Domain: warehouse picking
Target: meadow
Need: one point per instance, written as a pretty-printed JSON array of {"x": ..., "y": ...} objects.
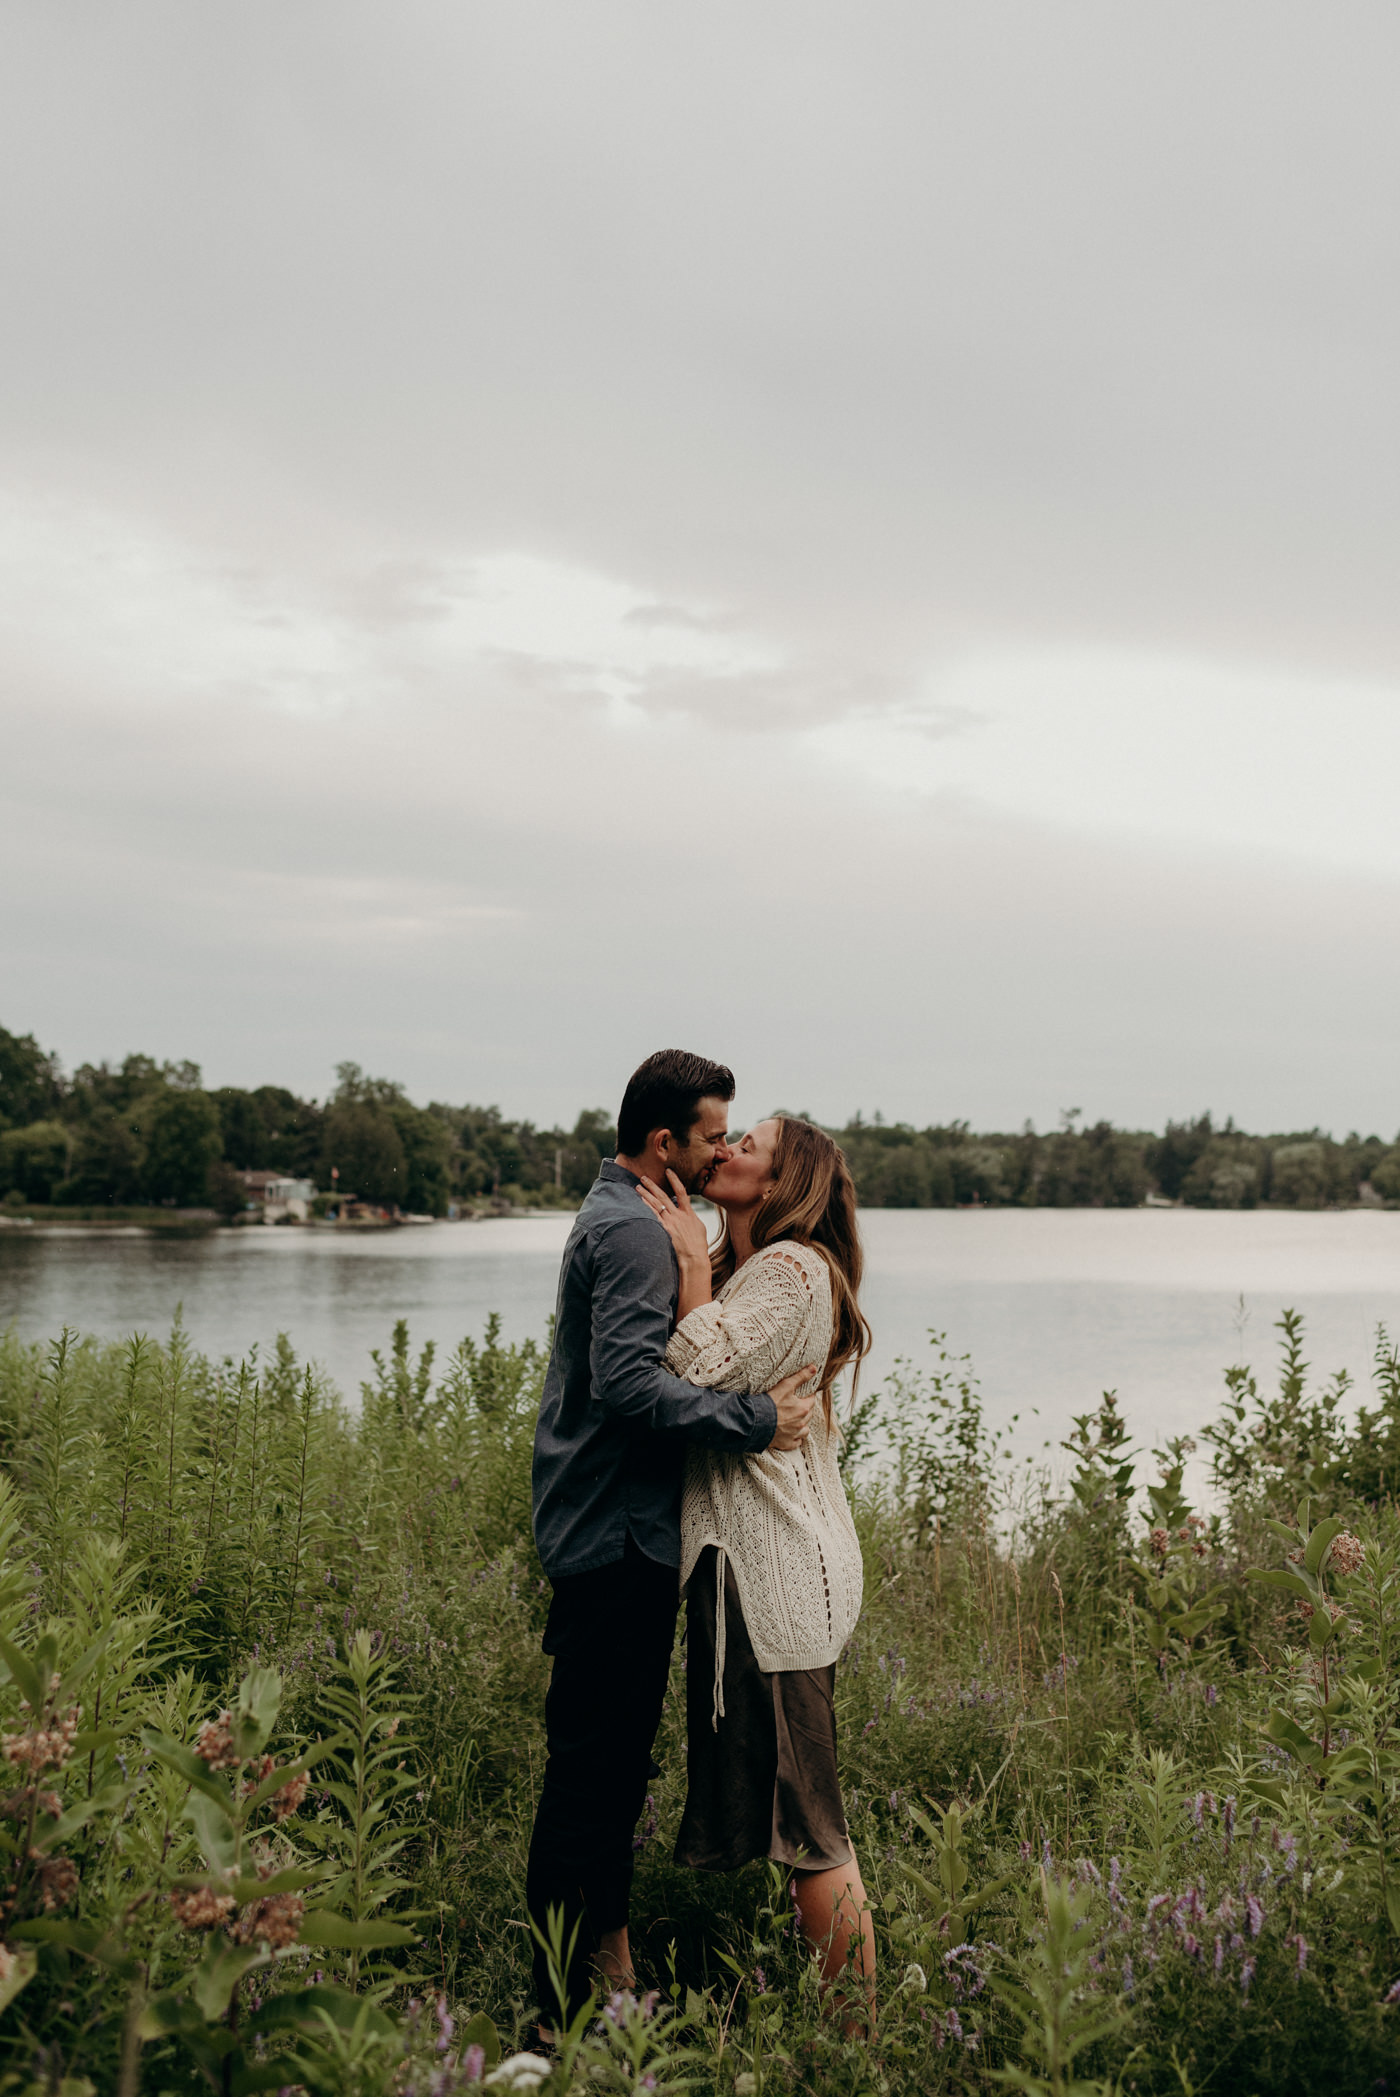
[{"x": 1121, "y": 1770}]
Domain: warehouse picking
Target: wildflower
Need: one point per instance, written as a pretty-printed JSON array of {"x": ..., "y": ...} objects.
[
  {"x": 274, "y": 1921},
  {"x": 1191, "y": 1945},
  {"x": 446, "y": 2025},
  {"x": 1159, "y": 1540},
  {"x": 1254, "y": 1907},
  {"x": 1305, "y": 1610},
  {"x": 1392, "y": 1993},
  {"x": 915, "y": 1978},
  {"x": 1246, "y": 1976},
  {"x": 1346, "y": 1553},
  {"x": 522, "y": 2072},
  {"x": 1025, "y": 1853},
  {"x": 1219, "y": 1953},
  {"x": 1295, "y": 1557},
  {"x": 760, "y": 1980},
  {"x": 203, "y": 1909},
  {"x": 215, "y": 1743},
  {"x": 42, "y": 1747},
  {"x": 286, "y": 1801},
  {"x": 474, "y": 2063},
  {"x": 1300, "y": 1943},
  {"x": 17, "y": 1805},
  {"x": 263, "y": 1767},
  {"x": 745, "y": 2084},
  {"x": 1198, "y": 1806},
  {"x": 1212, "y": 1695},
  {"x": 58, "y": 1879},
  {"x": 1128, "y": 1978}
]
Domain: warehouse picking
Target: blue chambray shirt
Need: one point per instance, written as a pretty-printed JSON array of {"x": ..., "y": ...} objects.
[{"x": 613, "y": 1426}]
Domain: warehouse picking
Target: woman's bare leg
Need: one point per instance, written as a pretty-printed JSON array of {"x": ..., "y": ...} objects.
[{"x": 835, "y": 1919}]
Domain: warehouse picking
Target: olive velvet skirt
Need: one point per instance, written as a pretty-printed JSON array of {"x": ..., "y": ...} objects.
[{"x": 764, "y": 1783}]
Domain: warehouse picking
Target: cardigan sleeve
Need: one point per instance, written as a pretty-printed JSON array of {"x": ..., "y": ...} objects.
[{"x": 738, "y": 1342}]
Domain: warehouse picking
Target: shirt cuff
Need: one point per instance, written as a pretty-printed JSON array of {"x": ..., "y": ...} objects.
[{"x": 766, "y": 1423}]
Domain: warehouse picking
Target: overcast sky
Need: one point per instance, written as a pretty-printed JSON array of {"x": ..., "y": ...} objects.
[{"x": 860, "y": 539}]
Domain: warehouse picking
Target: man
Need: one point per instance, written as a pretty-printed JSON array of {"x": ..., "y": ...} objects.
[{"x": 608, "y": 1470}]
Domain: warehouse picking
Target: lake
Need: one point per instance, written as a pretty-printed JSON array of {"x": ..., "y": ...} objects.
[{"x": 1054, "y": 1305}]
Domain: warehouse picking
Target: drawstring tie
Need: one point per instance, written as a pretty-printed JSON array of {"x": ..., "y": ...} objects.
[{"x": 718, "y": 1712}]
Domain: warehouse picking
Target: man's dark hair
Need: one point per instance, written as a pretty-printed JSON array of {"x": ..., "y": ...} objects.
[{"x": 665, "y": 1093}]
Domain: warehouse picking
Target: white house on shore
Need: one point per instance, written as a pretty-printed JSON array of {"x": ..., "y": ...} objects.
[{"x": 281, "y": 1200}]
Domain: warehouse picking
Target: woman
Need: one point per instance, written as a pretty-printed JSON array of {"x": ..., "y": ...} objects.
[{"x": 769, "y": 1554}]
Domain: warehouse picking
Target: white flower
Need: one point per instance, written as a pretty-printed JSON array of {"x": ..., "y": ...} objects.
[
  {"x": 523, "y": 2071},
  {"x": 915, "y": 1978}
]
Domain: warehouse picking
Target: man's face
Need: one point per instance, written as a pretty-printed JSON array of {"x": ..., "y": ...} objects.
[{"x": 693, "y": 1161}]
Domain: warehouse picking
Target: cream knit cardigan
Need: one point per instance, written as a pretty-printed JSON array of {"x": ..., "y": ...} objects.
[{"x": 781, "y": 1519}]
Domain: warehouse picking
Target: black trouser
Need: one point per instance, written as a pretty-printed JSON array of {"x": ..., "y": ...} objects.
[{"x": 611, "y": 1632}]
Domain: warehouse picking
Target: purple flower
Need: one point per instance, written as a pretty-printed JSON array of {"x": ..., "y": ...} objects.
[
  {"x": 1254, "y": 1907},
  {"x": 1219, "y": 1953},
  {"x": 1246, "y": 1976},
  {"x": 474, "y": 2063},
  {"x": 760, "y": 1980},
  {"x": 1301, "y": 1943},
  {"x": 1190, "y": 1945},
  {"x": 1392, "y": 1993},
  {"x": 1228, "y": 1817},
  {"x": 1212, "y": 1694}
]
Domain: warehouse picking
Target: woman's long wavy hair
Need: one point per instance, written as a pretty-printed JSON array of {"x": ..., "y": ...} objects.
[{"x": 813, "y": 1200}]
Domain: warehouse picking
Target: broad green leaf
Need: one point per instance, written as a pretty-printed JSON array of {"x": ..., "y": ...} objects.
[
  {"x": 1283, "y": 1532},
  {"x": 1319, "y": 1541},
  {"x": 32, "y": 1686},
  {"x": 1289, "y": 1734},
  {"x": 219, "y": 1972},
  {"x": 305, "y": 2009},
  {"x": 214, "y": 1828},
  {"x": 191, "y": 1767},
  {"x": 339, "y": 1933},
  {"x": 480, "y": 2031},
  {"x": 22, "y": 1971},
  {"x": 1292, "y": 1583},
  {"x": 1392, "y": 1907}
]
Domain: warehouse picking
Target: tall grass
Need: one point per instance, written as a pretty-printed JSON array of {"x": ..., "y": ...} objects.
[{"x": 1121, "y": 1771}]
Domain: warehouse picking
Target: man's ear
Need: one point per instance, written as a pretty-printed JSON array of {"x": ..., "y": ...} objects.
[{"x": 664, "y": 1141}]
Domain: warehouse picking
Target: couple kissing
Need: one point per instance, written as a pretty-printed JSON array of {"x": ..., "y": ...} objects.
[{"x": 687, "y": 1445}]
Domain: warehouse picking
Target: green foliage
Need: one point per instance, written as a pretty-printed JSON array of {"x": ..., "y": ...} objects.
[{"x": 1109, "y": 1844}]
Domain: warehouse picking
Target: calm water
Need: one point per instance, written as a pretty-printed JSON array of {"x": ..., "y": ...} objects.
[{"x": 1054, "y": 1306}]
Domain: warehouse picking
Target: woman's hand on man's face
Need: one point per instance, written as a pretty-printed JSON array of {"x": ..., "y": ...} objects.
[{"x": 682, "y": 1226}]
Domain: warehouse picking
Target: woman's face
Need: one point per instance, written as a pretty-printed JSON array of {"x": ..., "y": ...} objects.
[{"x": 745, "y": 1176}]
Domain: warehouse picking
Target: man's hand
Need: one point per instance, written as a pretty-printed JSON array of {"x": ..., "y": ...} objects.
[{"x": 794, "y": 1413}]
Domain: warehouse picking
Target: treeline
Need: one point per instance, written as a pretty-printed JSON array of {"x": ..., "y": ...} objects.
[
  {"x": 1196, "y": 1162},
  {"x": 151, "y": 1133}
]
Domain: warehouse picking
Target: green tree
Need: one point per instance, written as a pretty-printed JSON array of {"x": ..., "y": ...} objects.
[
  {"x": 182, "y": 1144},
  {"x": 427, "y": 1151},
  {"x": 1385, "y": 1175},
  {"x": 363, "y": 1144},
  {"x": 30, "y": 1090},
  {"x": 1301, "y": 1174},
  {"x": 34, "y": 1160}
]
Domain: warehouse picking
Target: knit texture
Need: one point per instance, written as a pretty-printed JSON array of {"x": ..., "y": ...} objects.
[{"x": 782, "y": 1519}]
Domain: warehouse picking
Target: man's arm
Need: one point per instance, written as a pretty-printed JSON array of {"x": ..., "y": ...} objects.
[{"x": 632, "y": 1290}]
